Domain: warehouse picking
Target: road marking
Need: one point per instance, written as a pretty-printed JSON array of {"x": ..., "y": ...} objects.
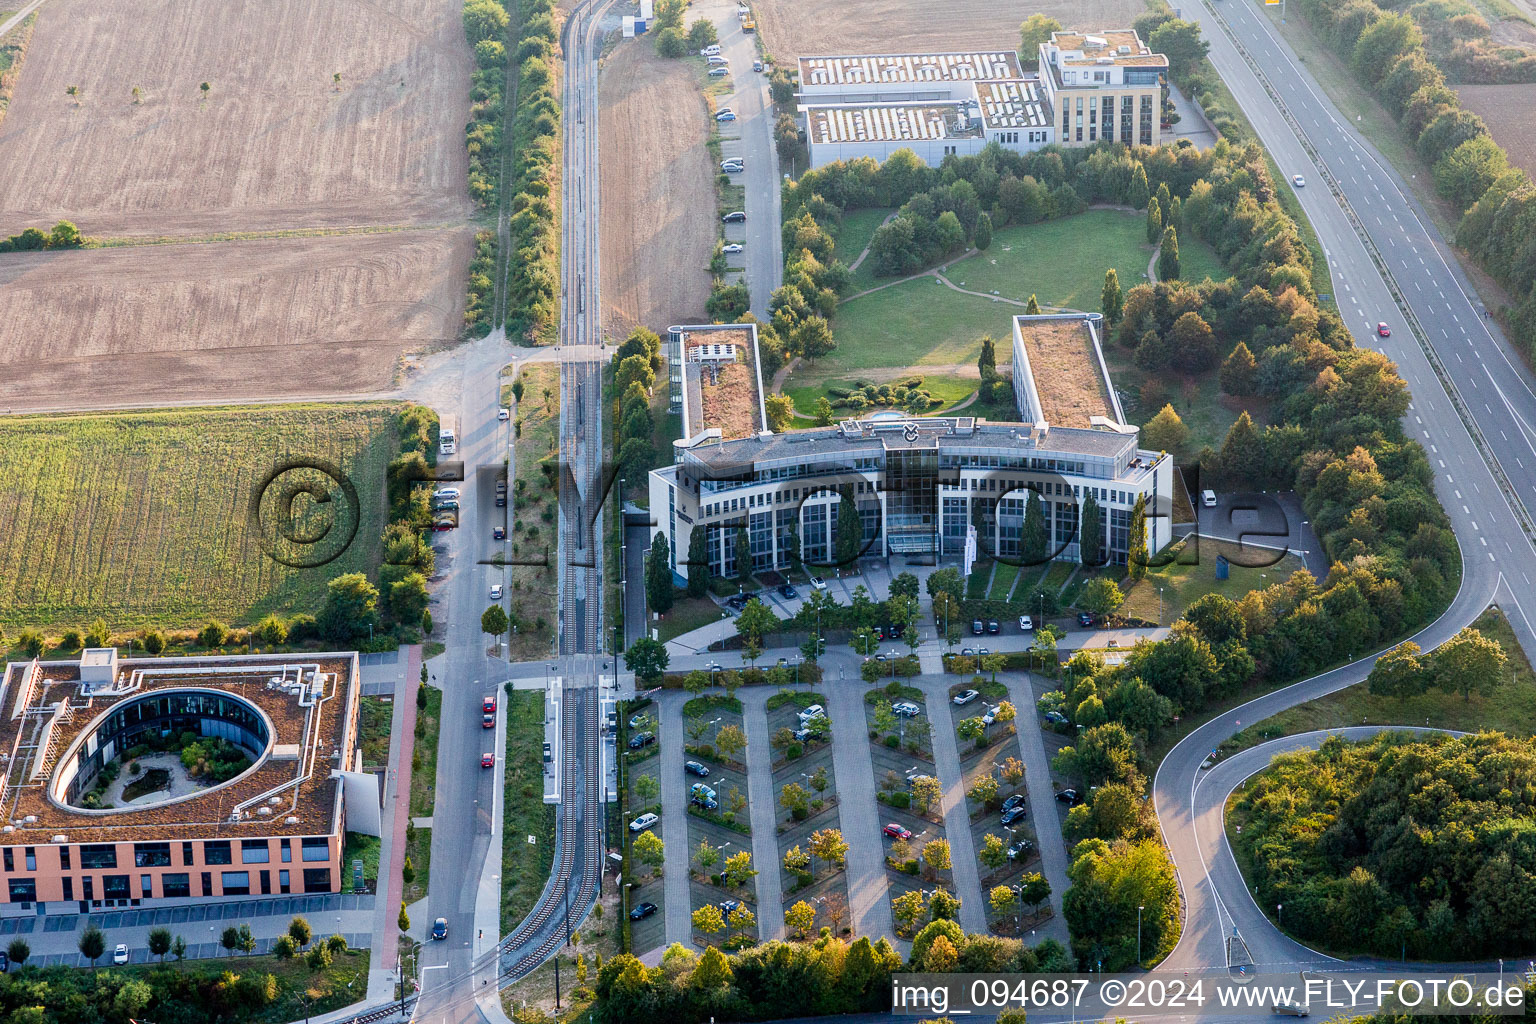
[
  {"x": 1458, "y": 495},
  {"x": 1465, "y": 510},
  {"x": 1442, "y": 463},
  {"x": 1476, "y": 527}
]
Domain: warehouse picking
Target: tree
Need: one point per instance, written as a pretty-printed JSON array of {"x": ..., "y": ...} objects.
[
  {"x": 781, "y": 412},
  {"x": 408, "y": 598},
  {"x": 230, "y": 939},
  {"x": 707, "y": 855},
  {"x": 908, "y": 909},
  {"x": 1168, "y": 255},
  {"x": 1466, "y": 172},
  {"x": 1033, "y": 307},
  {"x": 650, "y": 849},
  {"x": 701, "y": 34},
  {"x": 1033, "y": 31},
  {"x": 993, "y": 853},
  {"x": 484, "y": 19},
  {"x": 936, "y": 856},
  {"x": 204, "y": 87},
  {"x": 214, "y": 634},
  {"x": 97, "y": 634},
  {"x": 1154, "y": 221},
  {"x": 698, "y": 562},
  {"x": 709, "y": 920},
  {"x": 801, "y": 917},
  {"x": 73, "y": 91},
  {"x": 848, "y": 536},
  {"x": 972, "y": 730},
  {"x": 730, "y": 741},
  {"x": 92, "y": 944},
  {"x": 658, "y": 574},
  {"x": 795, "y": 800},
  {"x": 743, "y": 544},
  {"x": 1100, "y": 596},
  {"x": 1035, "y": 889},
  {"x": 1111, "y": 301},
  {"x": 494, "y": 622},
  {"x": 1194, "y": 343},
  {"x": 318, "y": 959},
  {"x": 1165, "y": 431},
  {"x": 350, "y": 608},
  {"x": 647, "y": 659},
  {"x": 737, "y": 870},
  {"x": 1002, "y": 898},
  {"x": 823, "y": 412},
  {"x": 1091, "y": 532},
  {"x": 925, "y": 791},
  {"x": 943, "y": 906},
  {"x": 1140, "y": 193},
  {"x": 796, "y": 859},
  {"x": 647, "y": 788},
  {"x": 812, "y": 338},
  {"x": 159, "y": 943},
  {"x": 284, "y": 948},
  {"x": 179, "y": 948},
  {"x": 1399, "y": 672},
  {"x": 982, "y": 239},
  {"x": 986, "y": 363},
  {"x": 300, "y": 931},
  {"x": 1239, "y": 371},
  {"x": 756, "y": 621},
  {"x": 1469, "y": 662},
  {"x": 18, "y": 951},
  {"x": 1137, "y": 554},
  {"x": 408, "y": 871},
  {"x": 829, "y": 845}
]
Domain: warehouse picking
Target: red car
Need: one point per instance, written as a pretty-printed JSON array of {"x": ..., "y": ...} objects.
[
  {"x": 1384, "y": 330},
  {"x": 487, "y": 760},
  {"x": 488, "y": 705},
  {"x": 895, "y": 831}
]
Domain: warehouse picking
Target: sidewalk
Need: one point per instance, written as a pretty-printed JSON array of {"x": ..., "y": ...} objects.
[{"x": 394, "y": 818}]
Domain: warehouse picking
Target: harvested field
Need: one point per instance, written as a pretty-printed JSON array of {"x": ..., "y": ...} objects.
[
  {"x": 1510, "y": 111},
  {"x": 275, "y": 143},
  {"x": 143, "y": 518},
  {"x": 1066, "y": 373},
  {"x": 796, "y": 28},
  {"x": 224, "y": 321},
  {"x": 657, "y": 191}
]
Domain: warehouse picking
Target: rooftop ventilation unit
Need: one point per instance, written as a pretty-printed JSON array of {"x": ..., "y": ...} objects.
[
  {"x": 264, "y": 812},
  {"x": 61, "y": 838},
  {"x": 30, "y": 819},
  {"x": 290, "y": 820}
]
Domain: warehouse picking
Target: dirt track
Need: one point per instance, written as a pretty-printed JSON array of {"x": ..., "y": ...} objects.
[
  {"x": 224, "y": 321},
  {"x": 657, "y": 191},
  {"x": 797, "y": 28}
]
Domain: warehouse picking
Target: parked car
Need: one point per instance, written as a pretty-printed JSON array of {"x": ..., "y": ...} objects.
[
  {"x": 1026, "y": 623},
  {"x": 1017, "y": 800},
  {"x": 445, "y": 493},
  {"x": 1298, "y": 181},
  {"x": 977, "y": 628},
  {"x": 695, "y": 768},
  {"x": 488, "y": 720},
  {"x": 710, "y": 50},
  {"x": 488, "y": 705},
  {"x": 726, "y": 115},
  {"x": 641, "y": 911},
  {"x": 120, "y": 954},
  {"x": 487, "y": 760},
  {"x": 1208, "y": 498},
  {"x": 440, "y": 928},
  {"x": 716, "y": 60},
  {"x": 1084, "y": 619},
  {"x": 1069, "y": 797},
  {"x": 982, "y": 652},
  {"x": 989, "y": 716},
  {"x": 645, "y": 821},
  {"x": 501, "y": 494},
  {"x": 812, "y": 712},
  {"x": 702, "y": 796},
  {"x": 993, "y": 627},
  {"x": 964, "y": 697},
  {"x": 1056, "y": 718},
  {"x": 641, "y": 739},
  {"x": 757, "y": 65},
  {"x": 817, "y": 583},
  {"x": 1019, "y": 848},
  {"x": 1290, "y": 1009},
  {"x": 638, "y": 719},
  {"x": 967, "y": 652},
  {"x": 804, "y": 734},
  {"x": 549, "y": 754},
  {"x": 1014, "y": 814},
  {"x": 496, "y": 591},
  {"x": 1383, "y": 330},
  {"x": 442, "y": 524},
  {"x": 736, "y": 216},
  {"x": 502, "y": 415},
  {"x": 906, "y": 709},
  {"x": 444, "y": 505},
  {"x": 734, "y": 247},
  {"x": 732, "y": 164},
  {"x": 498, "y": 533},
  {"x": 727, "y": 907},
  {"x": 719, "y": 72},
  {"x": 788, "y": 591},
  {"x": 895, "y": 831}
]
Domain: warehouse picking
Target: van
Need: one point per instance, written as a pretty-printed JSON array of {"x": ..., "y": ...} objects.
[
  {"x": 715, "y": 60},
  {"x": 711, "y": 50},
  {"x": 1208, "y": 498}
]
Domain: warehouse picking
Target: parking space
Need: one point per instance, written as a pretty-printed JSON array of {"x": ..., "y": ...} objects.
[
  {"x": 806, "y": 802},
  {"x": 643, "y": 793},
  {"x": 712, "y": 767},
  {"x": 901, "y": 732}
]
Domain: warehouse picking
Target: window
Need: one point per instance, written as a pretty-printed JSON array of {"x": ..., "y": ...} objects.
[
  {"x": 175, "y": 885},
  {"x": 152, "y": 855},
  {"x": 317, "y": 848},
  {"x": 286, "y": 846},
  {"x": 10, "y": 859},
  {"x": 31, "y": 858},
  {"x": 115, "y": 887},
  {"x": 236, "y": 883},
  {"x": 282, "y": 881},
  {"x": 207, "y": 883},
  {"x": 317, "y": 879},
  {"x": 216, "y": 851},
  {"x": 23, "y": 890},
  {"x": 64, "y": 857},
  {"x": 266, "y": 883},
  {"x": 89, "y": 887},
  {"x": 69, "y": 888},
  {"x": 147, "y": 885},
  {"x": 254, "y": 851},
  {"x": 103, "y": 855},
  {"x": 186, "y": 855}
]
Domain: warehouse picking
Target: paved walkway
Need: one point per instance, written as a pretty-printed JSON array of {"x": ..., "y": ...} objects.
[
  {"x": 869, "y": 904},
  {"x": 957, "y": 819},
  {"x": 395, "y": 816},
  {"x": 667, "y": 765},
  {"x": 1042, "y": 799},
  {"x": 765, "y": 844}
]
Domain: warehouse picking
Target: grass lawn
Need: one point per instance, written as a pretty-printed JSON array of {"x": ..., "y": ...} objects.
[
  {"x": 300, "y": 991},
  {"x": 1185, "y": 584},
  {"x": 534, "y": 501},
  {"x": 373, "y": 719},
  {"x": 946, "y": 387},
  {"x": 424, "y": 757},
  {"x": 853, "y": 237},
  {"x": 364, "y": 847},
  {"x": 1511, "y": 709},
  {"x": 524, "y": 868},
  {"x": 687, "y": 614},
  {"x": 1197, "y": 261},
  {"x": 144, "y": 518},
  {"x": 1198, "y": 400},
  {"x": 1003, "y": 579},
  {"x": 918, "y": 323},
  {"x": 1061, "y": 262}
]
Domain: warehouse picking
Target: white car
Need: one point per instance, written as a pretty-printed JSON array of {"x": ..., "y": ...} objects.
[
  {"x": 503, "y": 415},
  {"x": 813, "y": 712},
  {"x": 496, "y": 592},
  {"x": 1208, "y": 498},
  {"x": 906, "y": 709},
  {"x": 714, "y": 60},
  {"x": 1298, "y": 181},
  {"x": 817, "y": 583},
  {"x": 643, "y": 822},
  {"x": 964, "y": 697},
  {"x": 120, "y": 954},
  {"x": 990, "y": 716},
  {"x": 1026, "y": 623},
  {"x": 711, "y": 50},
  {"x": 446, "y": 493},
  {"x": 733, "y": 165},
  {"x": 733, "y": 247}
]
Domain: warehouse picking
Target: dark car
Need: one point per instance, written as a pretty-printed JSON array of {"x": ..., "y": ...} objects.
[
  {"x": 1014, "y": 814},
  {"x": 641, "y": 739},
  {"x": 1019, "y": 848},
  {"x": 1070, "y": 797},
  {"x": 727, "y": 906},
  {"x": 642, "y": 911},
  {"x": 440, "y": 928},
  {"x": 1017, "y": 800},
  {"x": 735, "y": 217},
  {"x": 695, "y": 768},
  {"x": 788, "y": 591},
  {"x": 1084, "y": 619},
  {"x": 992, "y": 626},
  {"x": 976, "y": 627}
]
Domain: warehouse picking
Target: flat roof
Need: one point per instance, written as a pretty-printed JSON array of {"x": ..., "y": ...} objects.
[
  {"x": 1012, "y": 103},
  {"x": 1063, "y": 360},
  {"x": 887, "y": 122},
  {"x": 1114, "y": 46},
  {"x": 298, "y": 766},
  {"x": 721, "y": 388},
  {"x": 896, "y": 68}
]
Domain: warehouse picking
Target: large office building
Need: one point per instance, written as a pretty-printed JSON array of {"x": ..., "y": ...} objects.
[
  {"x": 1103, "y": 87},
  {"x": 171, "y": 780},
  {"x": 918, "y": 483},
  {"x": 1090, "y": 87}
]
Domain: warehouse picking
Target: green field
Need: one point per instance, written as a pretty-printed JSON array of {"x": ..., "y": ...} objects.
[
  {"x": 1184, "y": 584},
  {"x": 947, "y": 388},
  {"x": 1060, "y": 262},
  {"x": 857, "y": 228},
  {"x": 1197, "y": 261},
  {"x": 145, "y": 518},
  {"x": 918, "y": 323}
]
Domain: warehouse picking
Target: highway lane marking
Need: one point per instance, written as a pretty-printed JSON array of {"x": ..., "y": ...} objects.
[
  {"x": 1465, "y": 510},
  {"x": 1458, "y": 495},
  {"x": 1442, "y": 463},
  {"x": 1476, "y": 527}
]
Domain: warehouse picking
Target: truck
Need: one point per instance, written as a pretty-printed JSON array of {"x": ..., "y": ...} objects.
[{"x": 748, "y": 25}]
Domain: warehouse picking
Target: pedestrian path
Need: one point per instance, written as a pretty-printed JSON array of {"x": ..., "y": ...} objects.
[
  {"x": 1042, "y": 801},
  {"x": 765, "y": 845}
]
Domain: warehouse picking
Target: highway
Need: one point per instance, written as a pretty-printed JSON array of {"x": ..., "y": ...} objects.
[{"x": 1474, "y": 422}]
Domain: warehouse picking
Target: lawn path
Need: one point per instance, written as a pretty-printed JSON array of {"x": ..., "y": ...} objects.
[{"x": 860, "y": 257}]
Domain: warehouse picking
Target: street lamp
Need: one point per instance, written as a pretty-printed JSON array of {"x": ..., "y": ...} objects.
[
  {"x": 1279, "y": 919},
  {"x": 1138, "y": 934}
]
